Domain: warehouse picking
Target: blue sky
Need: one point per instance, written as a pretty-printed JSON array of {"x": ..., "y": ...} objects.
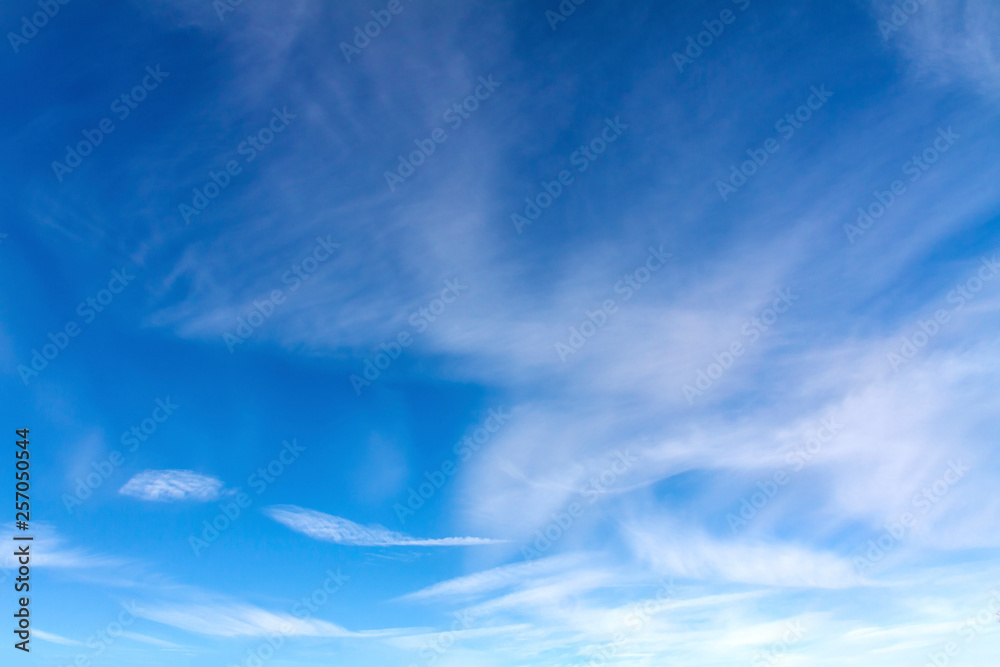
[{"x": 662, "y": 333}]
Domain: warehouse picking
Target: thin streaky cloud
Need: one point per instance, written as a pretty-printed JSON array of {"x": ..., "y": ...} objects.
[
  {"x": 338, "y": 530},
  {"x": 493, "y": 579},
  {"x": 238, "y": 620},
  {"x": 607, "y": 539},
  {"x": 54, "y": 639},
  {"x": 50, "y": 550},
  {"x": 153, "y": 641}
]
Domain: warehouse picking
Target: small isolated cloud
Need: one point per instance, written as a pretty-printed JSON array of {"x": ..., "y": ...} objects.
[
  {"x": 172, "y": 485},
  {"x": 328, "y": 528}
]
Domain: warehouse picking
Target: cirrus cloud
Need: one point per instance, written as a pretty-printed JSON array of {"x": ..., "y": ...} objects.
[
  {"x": 173, "y": 486},
  {"x": 338, "y": 530}
]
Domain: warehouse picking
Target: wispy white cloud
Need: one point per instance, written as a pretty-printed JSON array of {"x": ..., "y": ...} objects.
[
  {"x": 329, "y": 528},
  {"x": 173, "y": 486},
  {"x": 231, "y": 619},
  {"x": 422, "y": 640},
  {"x": 207, "y": 613},
  {"x": 153, "y": 641},
  {"x": 49, "y": 549},
  {"x": 134, "y": 636},
  {"x": 54, "y": 639},
  {"x": 956, "y": 39},
  {"x": 490, "y": 580},
  {"x": 686, "y": 553},
  {"x": 623, "y": 388}
]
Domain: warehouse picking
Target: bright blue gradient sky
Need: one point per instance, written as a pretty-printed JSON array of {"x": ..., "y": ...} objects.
[{"x": 628, "y": 371}]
